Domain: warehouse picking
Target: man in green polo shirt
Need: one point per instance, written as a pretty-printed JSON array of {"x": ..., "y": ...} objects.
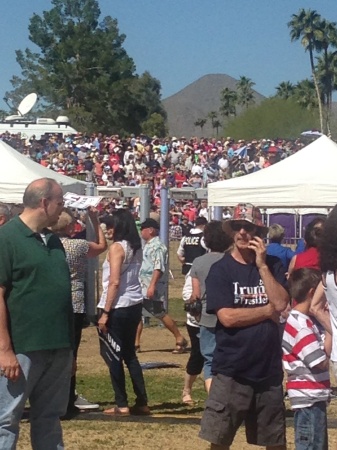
[{"x": 35, "y": 320}]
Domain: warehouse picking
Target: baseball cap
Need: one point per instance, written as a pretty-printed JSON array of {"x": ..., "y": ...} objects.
[{"x": 149, "y": 223}]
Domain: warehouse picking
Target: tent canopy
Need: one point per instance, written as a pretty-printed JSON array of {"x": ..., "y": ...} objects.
[
  {"x": 17, "y": 171},
  {"x": 304, "y": 180}
]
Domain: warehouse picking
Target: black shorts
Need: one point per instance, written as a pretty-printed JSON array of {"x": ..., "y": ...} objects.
[{"x": 259, "y": 405}]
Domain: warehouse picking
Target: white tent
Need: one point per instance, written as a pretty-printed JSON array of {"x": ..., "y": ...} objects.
[
  {"x": 17, "y": 171},
  {"x": 306, "y": 179}
]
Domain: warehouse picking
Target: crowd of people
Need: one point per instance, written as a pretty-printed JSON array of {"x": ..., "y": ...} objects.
[
  {"x": 173, "y": 162},
  {"x": 113, "y": 161},
  {"x": 246, "y": 303}
]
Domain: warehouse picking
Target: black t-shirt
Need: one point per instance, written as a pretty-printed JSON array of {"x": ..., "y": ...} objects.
[{"x": 252, "y": 352}]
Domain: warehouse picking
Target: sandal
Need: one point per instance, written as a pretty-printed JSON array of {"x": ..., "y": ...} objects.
[
  {"x": 187, "y": 399},
  {"x": 140, "y": 410},
  {"x": 117, "y": 412},
  {"x": 180, "y": 347},
  {"x": 137, "y": 348}
]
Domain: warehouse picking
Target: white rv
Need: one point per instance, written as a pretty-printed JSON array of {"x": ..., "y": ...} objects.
[{"x": 39, "y": 128}]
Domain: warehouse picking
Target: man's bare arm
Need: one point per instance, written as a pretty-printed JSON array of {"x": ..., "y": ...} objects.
[
  {"x": 154, "y": 280},
  {"x": 276, "y": 293},
  {"x": 9, "y": 364},
  {"x": 242, "y": 317}
]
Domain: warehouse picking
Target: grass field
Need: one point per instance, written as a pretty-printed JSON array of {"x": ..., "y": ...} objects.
[{"x": 172, "y": 425}]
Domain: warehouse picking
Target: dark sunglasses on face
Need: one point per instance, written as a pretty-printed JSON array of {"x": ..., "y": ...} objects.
[{"x": 247, "y": 226}]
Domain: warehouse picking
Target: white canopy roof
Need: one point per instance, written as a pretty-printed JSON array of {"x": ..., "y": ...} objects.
[
  {"x": 304, "y": 180},
  {"x": 17, "y": 171}
]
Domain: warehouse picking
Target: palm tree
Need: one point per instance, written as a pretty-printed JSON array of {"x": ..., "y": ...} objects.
[
  {"x": 200, "y": 123},
  {"x": 228, "y": 99},
  {"x": 213, "y": 115},
  {"x": 306, "y": 26},
  {"x": 326, "y": 66},
  {"x": 326, "y": 70},
  {"x": 285, "y": 90},
  {"x": 217, "y": 125},
  {"x": 245, "y": 91},
  {"x": 305, "y": 94}
]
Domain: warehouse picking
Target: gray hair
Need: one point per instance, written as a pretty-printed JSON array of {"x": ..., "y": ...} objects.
[
  {"x": 66, "y": 218},
  {"x": 276, "y": 233}
]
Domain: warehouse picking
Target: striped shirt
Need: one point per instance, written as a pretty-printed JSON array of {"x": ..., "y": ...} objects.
[{"x": 303, "y": 350}]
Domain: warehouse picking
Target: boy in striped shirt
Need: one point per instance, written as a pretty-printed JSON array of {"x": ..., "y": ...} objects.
[{"x": 306, "y": 361}]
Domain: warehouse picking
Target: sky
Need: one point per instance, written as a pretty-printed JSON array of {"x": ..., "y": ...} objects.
[{"x": 179, "y": 41}]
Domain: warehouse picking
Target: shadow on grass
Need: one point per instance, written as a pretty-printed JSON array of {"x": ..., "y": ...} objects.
[
  {"x": 161, "y": 414},
  {"x": 165, "y": 419},
  {"x": 155, "y": 418},
  {"x": 165, "y": 350},
  {"x": 170, "y": 408},
  {"x": 177, "y": 408}
]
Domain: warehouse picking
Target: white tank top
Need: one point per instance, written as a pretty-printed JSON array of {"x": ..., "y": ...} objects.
[
  {"x": 129, "y": 291},
  {"x": 331, "y": 296}
]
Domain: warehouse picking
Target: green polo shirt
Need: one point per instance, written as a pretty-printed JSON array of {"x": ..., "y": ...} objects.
[{"x": 38, "y": 292}]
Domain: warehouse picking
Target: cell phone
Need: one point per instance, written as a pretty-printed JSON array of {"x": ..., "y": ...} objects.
[{"x": 259, "y": 233}]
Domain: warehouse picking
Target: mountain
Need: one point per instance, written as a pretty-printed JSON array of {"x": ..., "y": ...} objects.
[{"x": 195, "y": 101}]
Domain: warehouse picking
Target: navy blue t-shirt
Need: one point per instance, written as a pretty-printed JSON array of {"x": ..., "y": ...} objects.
[{"x": 252, "y": 352}]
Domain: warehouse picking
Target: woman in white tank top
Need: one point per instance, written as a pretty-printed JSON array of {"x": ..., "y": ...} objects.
[{"x": 121, "y": 308}]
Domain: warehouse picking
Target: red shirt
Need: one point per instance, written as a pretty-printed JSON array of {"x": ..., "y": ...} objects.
[
  {"x": 190, "y": 214},
  {"x": 179, "y": 178},
  {"x": 309, "y": 258},
  {"x": 99, "y": 169}
]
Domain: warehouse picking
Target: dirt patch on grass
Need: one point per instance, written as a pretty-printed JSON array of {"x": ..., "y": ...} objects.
[
  {"x": 172, "y": 428},
  {"x": 156, "y": 345}
]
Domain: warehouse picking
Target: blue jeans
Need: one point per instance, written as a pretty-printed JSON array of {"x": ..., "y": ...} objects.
[
  {"x": 207, "y": 347},
  {"x": 44, "y": 380},
  {"x": 311, "y": 430}
]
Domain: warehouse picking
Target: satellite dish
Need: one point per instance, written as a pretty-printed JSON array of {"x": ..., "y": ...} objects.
[{"x": 27, "y": 104}]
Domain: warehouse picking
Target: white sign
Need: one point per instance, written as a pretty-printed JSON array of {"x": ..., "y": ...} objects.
[{"x": 80, "y": 201}]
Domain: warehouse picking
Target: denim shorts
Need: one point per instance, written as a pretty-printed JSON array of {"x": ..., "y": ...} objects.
[
  {"x": 311, "y": 429},
  {"x": 259, "y": 405},
  {"x": 207, "y": 347}
]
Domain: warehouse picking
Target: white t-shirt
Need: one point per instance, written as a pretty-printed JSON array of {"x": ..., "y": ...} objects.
[
  {"x": 196, "y": 169},
  {"x": 223, "y": 163}
]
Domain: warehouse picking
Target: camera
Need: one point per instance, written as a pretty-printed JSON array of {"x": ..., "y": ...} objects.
[{"x": 194, "y": 308}]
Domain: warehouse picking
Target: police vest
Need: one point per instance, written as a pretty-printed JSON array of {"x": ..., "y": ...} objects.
[{"x": 192, "y": 249}]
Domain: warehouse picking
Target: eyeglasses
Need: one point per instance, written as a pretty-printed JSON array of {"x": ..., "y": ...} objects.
[{"x": 247, "y": 226}]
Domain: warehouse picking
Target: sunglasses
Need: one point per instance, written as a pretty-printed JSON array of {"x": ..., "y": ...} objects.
[{"x": 247, "y": 226}]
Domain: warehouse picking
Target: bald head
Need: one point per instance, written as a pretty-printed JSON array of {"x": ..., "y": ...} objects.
[{"x": 38, "y": 189}]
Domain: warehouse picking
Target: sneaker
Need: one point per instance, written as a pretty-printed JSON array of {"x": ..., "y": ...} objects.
[{"x": 82, "y": 404}]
